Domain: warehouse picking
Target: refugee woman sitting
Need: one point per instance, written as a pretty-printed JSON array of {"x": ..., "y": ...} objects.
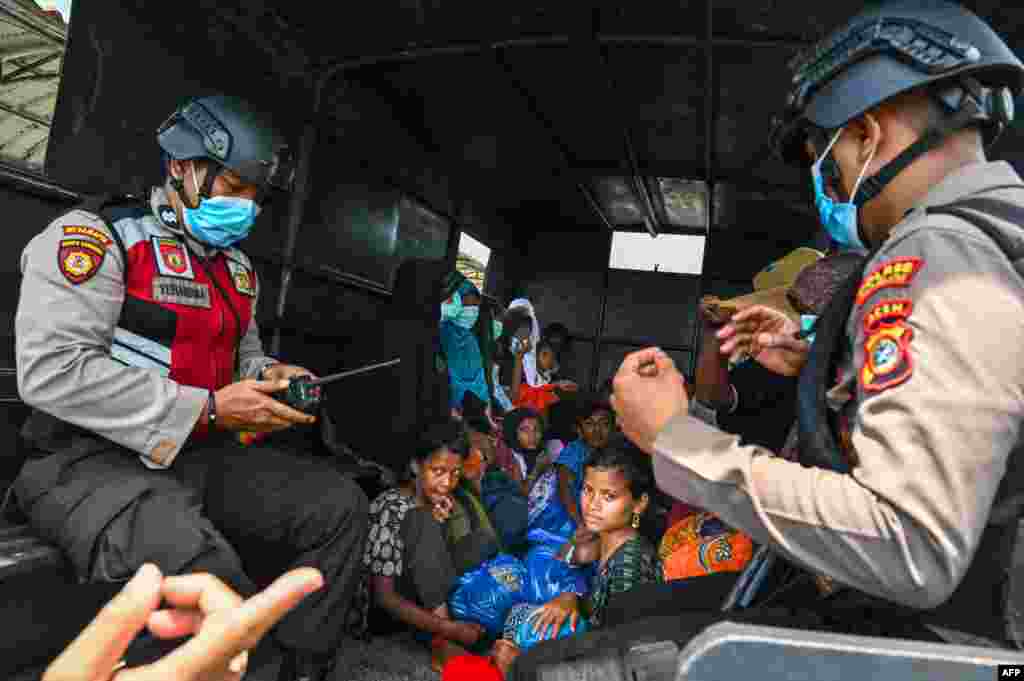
[
  {"x": 463, "y": 351},
  {"x": 411, "y": 560},
  {"x": 617, "y": 485}
]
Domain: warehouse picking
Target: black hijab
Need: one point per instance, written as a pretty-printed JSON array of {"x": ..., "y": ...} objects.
[{"x": 511, "y": 427}]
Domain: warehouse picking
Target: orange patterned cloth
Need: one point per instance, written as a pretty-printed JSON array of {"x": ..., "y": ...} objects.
[
  {"x": 538, "y": 398},
  {"x": 246, "y": 438},
  {"x": 701, "y": 544}
]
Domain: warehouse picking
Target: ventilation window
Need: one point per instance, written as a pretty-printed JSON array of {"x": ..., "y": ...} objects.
[
  {"x": 473, "y": 258},
  {"x": 670, "y": 253}
]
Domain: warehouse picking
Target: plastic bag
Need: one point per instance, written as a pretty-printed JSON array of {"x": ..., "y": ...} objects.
[
  {"x": 485, "y": 594},
  {"x": 547, "y": 576},
  {"x": 526, "y": 638}
]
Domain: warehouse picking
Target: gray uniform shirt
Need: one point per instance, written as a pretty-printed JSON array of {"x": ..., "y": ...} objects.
[
  {"x": 64, "y": 333},
  {"x": 934, "y": 396}
]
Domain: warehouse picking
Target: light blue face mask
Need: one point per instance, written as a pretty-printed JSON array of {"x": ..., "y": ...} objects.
[
  {"x": 806, "y": 324},
  {"x": 467, "y": 316},
  {"x": 838, "y": 219},
  {"x": 220, "y": 221},
  {"x": 497, "y": 327},
  {"x": 451, "y": 308}
]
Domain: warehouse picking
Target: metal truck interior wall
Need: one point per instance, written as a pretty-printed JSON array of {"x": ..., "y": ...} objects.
[{"x": 504, "y": 121}]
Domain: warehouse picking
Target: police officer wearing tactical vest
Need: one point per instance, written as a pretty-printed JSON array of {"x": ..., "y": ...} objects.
[
  {"x": 138, "y": 349},
  {"x": 912, "y": 397}
]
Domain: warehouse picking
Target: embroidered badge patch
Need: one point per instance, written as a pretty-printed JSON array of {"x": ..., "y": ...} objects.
[
  {"x": 242, "y": 276},
  {"x": 895, "y": 273},
  {"x": 887, "y": 360},
  {"x": 172, "y": 259},
  {"x": 81, "y": 231},
  {"x": 181, "y": 292},
  {"x": 168, "y": 216},
  {"x": 79, "y": 259},
  {"x": 887, "y": 311}
]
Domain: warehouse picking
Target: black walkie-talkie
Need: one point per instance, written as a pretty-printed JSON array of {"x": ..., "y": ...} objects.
[{"x": 304, "y": 392}]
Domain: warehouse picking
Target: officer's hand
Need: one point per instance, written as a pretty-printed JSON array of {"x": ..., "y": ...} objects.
[
  {"x": 283, "y": 372},
  {"x": 767, "y": 335},
  {"x": 647, "y": 392},
  {"x": 247, "y": 405},
  {"x": 222, "y": 626}
]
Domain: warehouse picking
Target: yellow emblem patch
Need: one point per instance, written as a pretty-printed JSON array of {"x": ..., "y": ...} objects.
[
  {"x": 73, "y": 231},
  {"x": 887, "y": 311},
  {"x": 79, "y": 259},
  {"x": 887, "y": 360},
  {"x": 895, "y": 273}
]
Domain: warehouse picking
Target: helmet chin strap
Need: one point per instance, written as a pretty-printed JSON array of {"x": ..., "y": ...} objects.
[
  {"x": 970, "y": 111},
  {"x": 204, "y": 192}
]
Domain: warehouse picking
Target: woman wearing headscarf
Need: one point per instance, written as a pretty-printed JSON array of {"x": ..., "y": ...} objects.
[
  {"x": 523, "y": 445},
  {"x": 461, "y": 326},
  {"x": 530, "y": 362}
]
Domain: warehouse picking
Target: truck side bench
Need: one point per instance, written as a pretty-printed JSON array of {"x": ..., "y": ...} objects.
[
  {"x": 728, "y": 651},
  {"x": 21, "y": 552}
]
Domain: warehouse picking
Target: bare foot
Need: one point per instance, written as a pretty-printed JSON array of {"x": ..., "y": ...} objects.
[{"x": 504, "y": 654}]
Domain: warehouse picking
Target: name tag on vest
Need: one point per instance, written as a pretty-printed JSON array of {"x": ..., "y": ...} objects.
[{"x": 181, "y": 292}]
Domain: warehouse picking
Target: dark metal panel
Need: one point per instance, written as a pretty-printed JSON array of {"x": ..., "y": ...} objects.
[
  {"x": 561, "y": 274},
  {"x": 651, "y": 305},
  {"x": 665, "y": 106},
  {"x": 127, "y": 67},
  {"x": 751, "y": 87},
  {"x": 612, "y": 355}
]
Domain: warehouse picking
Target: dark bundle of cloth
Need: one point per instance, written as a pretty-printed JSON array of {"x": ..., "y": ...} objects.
[
  {"x": 818, "y": 283},
  {"x": 412, "y": 326}
]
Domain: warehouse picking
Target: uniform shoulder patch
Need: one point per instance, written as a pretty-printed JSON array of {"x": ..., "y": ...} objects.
[
  {"x": 243, "y": 278},
  {"x": 886, "y": 311},
  {"x": 79, "y": 259},
  {"x": 887, "y": 359},
  {"x": 898, "y": 272},
  {"x": 85, "y": 232}
]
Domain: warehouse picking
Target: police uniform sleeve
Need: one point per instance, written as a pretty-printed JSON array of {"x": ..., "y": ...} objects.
[
  {"x": 72, "y": 292},
  {"x": 939, "y": 405}
]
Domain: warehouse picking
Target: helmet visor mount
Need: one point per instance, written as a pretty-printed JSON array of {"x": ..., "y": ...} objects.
[{"x": 276, "y": 172}]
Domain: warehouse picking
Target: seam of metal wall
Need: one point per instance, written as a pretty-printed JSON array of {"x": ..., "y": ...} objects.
[
  {"x": 599, "y": 336},
  {"x": 711, "y": 94}
]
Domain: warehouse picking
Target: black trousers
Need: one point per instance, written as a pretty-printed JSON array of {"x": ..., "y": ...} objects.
[{"x": 244, "y": 514}]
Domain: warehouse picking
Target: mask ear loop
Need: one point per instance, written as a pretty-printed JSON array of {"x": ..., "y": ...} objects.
[
  {"x": 863, "y": 170},
  {"x": 195, "y": 184},
  {"x": 824, "y": 154}
]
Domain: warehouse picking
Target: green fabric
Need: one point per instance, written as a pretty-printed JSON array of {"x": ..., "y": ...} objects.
[
  {"x": 468, "y": 514},
  {"x": 634, "y": 563}
]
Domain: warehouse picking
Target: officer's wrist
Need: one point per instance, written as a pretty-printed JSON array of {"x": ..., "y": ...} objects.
[
  {"x": 211, "y": 412},
  {"x": 263, "y": 371}
]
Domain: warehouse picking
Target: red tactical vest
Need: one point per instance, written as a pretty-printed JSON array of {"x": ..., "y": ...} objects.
[{"x": 183, "y": 314}]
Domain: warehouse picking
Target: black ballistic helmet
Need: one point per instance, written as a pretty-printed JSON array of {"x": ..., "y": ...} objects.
[
  {"x": 890, "y": 48},
  {"x": 227, "y": 131}
]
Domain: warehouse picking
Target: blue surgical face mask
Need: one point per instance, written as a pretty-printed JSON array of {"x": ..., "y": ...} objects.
[
  {"x": 838, "y": 219},
  {"x": 807, "y": 322},
  {"x": 220, "y": 221},
  {"x": 450, "y": 308},
  {"x": 497, "y": 327},
  {"x": 467, "y": 316}
]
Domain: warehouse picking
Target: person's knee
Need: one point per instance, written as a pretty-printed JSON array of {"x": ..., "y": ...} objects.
[{"x": 335, "y": 506}]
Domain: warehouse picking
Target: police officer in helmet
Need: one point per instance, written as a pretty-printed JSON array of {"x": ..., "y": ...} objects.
[
  {"x": 900, "y": 513},
  {"x": 138, "y": 350}
]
